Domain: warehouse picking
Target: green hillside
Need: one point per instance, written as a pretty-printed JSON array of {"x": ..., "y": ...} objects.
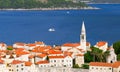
[{"x": 38, "y": 4}]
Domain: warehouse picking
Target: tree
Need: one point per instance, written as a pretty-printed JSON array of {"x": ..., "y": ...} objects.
[
  {"x": 76, "y": 66},
  {"x": 99, "y": 55},
  {"x": 47, "y": 58},
  {"x": 105, "y": 55},
  {"x": 116, "y": 47},
  {"x": 85, "y": 66},
  {"x": 88, "y": 57},
  {"x": 9, "y": 48},
  {"x": 118, "y": 57}
]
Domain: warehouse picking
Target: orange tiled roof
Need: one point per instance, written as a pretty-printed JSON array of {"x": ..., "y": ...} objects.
[
  {"x": 48, "y": 47},
  {"x": 2, "y": 44},
  {"x": 101, "y": 43},
  {"x": 67, "y": 53},
  {"x": 30, "y": 45},
  {"x": 20, "y": 43},
  {"x": 41, "y": 55},
  {"x": 116, "y": 64},
  {"x": 28, "y": 63},
  {"x": 51, "y": 57},
  {"x": 74, "y": 44},
  {"x": 55, "y": 52},
  {"x": 39, "y": 42},
  {"x": 1, "y": 61},
  {"x": 10, "y": 46},
  {"x": 16, "y": 62},
  {"x": 22, "y": 53},
  {"x": 100, "y": 64},
  {"x": 80, "y": 55},
  {"x": 42, "y": 62},
  {"x": 31, "y": 56},
  {"x": 57, "y": 48},
  {"x": 87, "y": 43},
  {"x": 38, "y": 49},
  {"x": 71, "y": 44},
  {"x": 19, "y": 49}
]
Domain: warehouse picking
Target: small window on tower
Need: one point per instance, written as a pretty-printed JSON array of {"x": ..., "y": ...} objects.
[{"x": 82, "y": 36}]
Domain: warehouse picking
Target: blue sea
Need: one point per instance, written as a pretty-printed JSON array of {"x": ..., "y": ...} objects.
[{"x": 30, "y": 26}]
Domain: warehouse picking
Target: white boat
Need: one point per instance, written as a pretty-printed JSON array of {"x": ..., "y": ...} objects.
[
  {"x": 51, "y": 29},
  {"x": 68, "y": 12}
]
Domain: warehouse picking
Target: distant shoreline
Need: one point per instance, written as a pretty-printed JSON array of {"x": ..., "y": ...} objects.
[
  {"x": 71, "y": 8},
  {"x": 103, "y": 3}
]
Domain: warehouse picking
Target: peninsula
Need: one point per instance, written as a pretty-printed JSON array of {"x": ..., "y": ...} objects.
[{"x": 42, "y": 5}]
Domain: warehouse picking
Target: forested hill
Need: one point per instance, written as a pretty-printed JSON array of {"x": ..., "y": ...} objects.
[{"x": 26, "y": 4}]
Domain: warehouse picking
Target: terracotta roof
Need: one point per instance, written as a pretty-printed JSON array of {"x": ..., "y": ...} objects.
[
  {"x": 19, "y": 49},
  {"x": 110, "y": 48},
  {"x": 100, "y": 64},
  {"x": 16, "y": 62},
  {"x": 57, "y": 48},
  {"x": 87, "y": 43},
  {"x": 38, "y": 49},
  {"x": 116, "y": 64},
  {"x": 20, "y": 43},
  {"x": 55, "y": 52},
  {"x": 51, "y": 57},
  {"x": 31, "y": 56},
  {"x": 39, "y": 42},
  {"x": 1, "y": 61},
  {"x": 71, "y": 44},
  {"x": 28, "y": 63},
  {"x": 31, "y": 45},
  {"x": 66, "y": 53},
  {"x": 42, "y": 62},
  {"x": 9, "y": 46},
  {"x": 80, "y": 55},
  {"x": 101, "y": 43},
  {"x": 22, "y": 52},
  {"x": 2, "y": 44},
  {"x": 41, "y": 55},
  {"x": 48, "y": 47}
]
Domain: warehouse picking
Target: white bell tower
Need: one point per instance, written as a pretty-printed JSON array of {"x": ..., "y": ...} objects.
[{"x": 83, "y": 37}]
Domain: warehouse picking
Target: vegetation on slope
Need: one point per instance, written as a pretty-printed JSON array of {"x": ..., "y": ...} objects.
[
  {"x": 96, "y": 55},
  {"x": 38, "y": 4},
  {"x": 116, "y": 47}
]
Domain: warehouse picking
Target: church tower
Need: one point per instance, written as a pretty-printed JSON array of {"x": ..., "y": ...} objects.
[{"x": 83, "y": 37}]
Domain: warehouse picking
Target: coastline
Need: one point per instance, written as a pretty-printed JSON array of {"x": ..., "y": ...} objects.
[
  {"x": 65, "y": 8},
  {"x": 103, "y": 3}
]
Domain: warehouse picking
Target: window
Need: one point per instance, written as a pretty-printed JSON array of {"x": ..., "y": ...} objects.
[
  {"x": 62, "y": 60},
  {"x": 92, "y": 67},
  {"x": 109, "y": 68},
  {"x": 9, "y": 69},
  {"x": 54, "y": 60},
  {"x": 22, "y": 65},
  {"x": 21, "y": 68},
  {"x": 17, "y": 66},
  {"x": 17, "y": 69},
  {"x": 54, "y": 64}
]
